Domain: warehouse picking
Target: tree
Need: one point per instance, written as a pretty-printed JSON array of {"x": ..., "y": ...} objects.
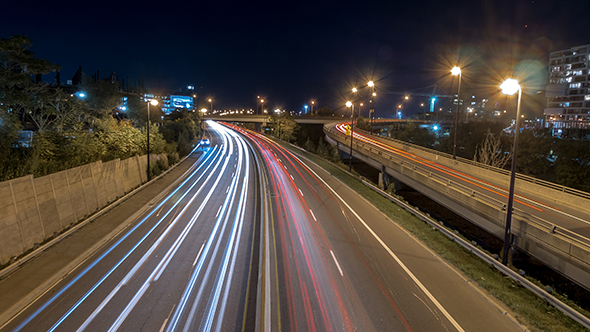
[
  {"x": 102, "y": 97},
  {"x": 534, "y": 149},
  {"x": 572, "y": 166},
  {"x": 284, "y": 126},
  {"x": 325, "y": 111},
  {"x": 414, "y": 134},
  {"x": 362, "y": 123},
  {"x": 18, "y": 91},
  {"x": 490, "y": 151}
]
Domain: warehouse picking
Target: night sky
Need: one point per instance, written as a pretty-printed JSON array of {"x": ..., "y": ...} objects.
[{"x": 292, "y": 52}]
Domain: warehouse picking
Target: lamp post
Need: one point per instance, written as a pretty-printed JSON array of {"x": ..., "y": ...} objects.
[
  {"x": 312, "y": 105},
  {"x": 351, "y": 105},
  {"x": 456, "y": 71},
  {"x": 510, "y": 87},
  {"x": 261, "y": 105},
  {"x": 371, "y": 85},
  {"x": 154, "y": 103},
  {"x": 210, "y": 104}
]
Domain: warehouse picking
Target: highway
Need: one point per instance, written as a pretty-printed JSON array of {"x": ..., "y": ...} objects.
[
  {"x": 184, "y": 266},
  {"x": 562, "y": 215},
  {"x": 333, "y": 262},
  {"x": 255, "y": 238}
]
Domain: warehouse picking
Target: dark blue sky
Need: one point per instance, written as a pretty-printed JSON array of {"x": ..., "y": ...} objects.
[{"x": 290, "y": 52}]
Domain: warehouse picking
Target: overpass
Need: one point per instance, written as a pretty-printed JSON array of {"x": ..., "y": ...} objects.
[
  {"x": 550, "y": 222},
  {"x": 264, "y": 119}
]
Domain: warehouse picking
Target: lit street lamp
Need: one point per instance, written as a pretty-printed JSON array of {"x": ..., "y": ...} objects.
[
  {"x": 510, "y": 87},
  {"x": 261, "y": 105},
  {"x": 351, "y": 105},
  {"x": 154, "y": 103},
  {"x": 210, "y": 104},
  {"x": 371, "y": 85},
  {"x": 456, "y": 71}
]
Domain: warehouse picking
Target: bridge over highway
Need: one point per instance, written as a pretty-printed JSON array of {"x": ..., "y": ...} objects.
[{"x": 551, "y": 222}]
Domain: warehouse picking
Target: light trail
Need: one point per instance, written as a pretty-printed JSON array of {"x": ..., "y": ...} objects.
[{"x": 102, "y": 256}]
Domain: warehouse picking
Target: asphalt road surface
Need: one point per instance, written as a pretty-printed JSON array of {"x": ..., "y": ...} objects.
[{"x": 257, "y": 238}]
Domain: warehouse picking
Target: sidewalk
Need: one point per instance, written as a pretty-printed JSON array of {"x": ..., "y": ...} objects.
[{"x": 34, "y": 277}]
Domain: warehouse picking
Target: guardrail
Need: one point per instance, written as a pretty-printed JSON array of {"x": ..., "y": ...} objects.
[
  {"x": 406, "y": 146},
  {"x": 578, "y": 317}
]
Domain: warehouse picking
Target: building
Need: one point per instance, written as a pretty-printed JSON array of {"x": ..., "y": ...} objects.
[{"x": 568, "y": 93}]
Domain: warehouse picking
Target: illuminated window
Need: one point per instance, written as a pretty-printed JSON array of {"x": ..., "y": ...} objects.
[{"x": 575, "y": 85}]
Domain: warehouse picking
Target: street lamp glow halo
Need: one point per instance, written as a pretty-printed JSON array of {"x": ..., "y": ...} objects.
[
  {"x": 354, "y": 90},
  {"x": 456, "y": 71},
  {"x": 510, "y": 86},
  {"x": 154, "y": 102},
  {"x": 371, "y": 84},
  {"x": 348, "y": 103}
]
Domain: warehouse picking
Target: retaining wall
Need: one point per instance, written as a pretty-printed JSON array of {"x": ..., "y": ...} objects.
[{"x": 35, "y": 209}]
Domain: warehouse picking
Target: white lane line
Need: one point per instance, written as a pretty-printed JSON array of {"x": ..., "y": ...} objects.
[
  {"x": 394, "y": 256},
  {"x": 291, "y": 177},
  {"x": 218, "y": 210},
  {"x": 198, "y": 255},
  {"x": 313, "y": 215},
  {"x": 232, "y": 174},
  {"x": 226, "y": 190},
  {"x": 301, "y": 192},
  {"x": 167, "y": 318},
  {"x": 285, "y": 167},
  {"x": 337, "y": 265}
]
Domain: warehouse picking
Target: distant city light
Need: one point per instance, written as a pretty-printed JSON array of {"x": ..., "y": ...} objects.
[
  {"x": 435, "y": 127},
  {"x": 81, "y": 94}
]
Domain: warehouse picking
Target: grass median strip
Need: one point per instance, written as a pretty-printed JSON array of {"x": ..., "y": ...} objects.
[{"x": 529, "y": 309}]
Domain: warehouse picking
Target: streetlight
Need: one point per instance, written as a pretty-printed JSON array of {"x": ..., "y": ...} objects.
[
  {"x": 509, "y": 87},
  {"x": 351, "y": 105},
  {"x": 261, "y": 105},
  {"x": 407, "y": 97},
  {"x": 371, "y": 85},
  {"x": 354, "y": 90},
  {"x": 312, "y": 105},
  {"x": 154, "y": 103},
  {"x": 399, "y": 112},
  {"x": 456, "y": 71},
  {"x": 211, "y": 104}
]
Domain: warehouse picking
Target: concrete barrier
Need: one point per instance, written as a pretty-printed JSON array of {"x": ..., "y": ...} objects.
[
  {"x": 561, "y": 249},
  {"x": 35, "y": 209}
]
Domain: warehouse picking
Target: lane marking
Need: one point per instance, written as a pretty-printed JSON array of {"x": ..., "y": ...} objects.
[
  {"x": 337, "y": 265},
  {"x": 301, "y": 192},
  {"x": 167, "y": 318},
  {"x": 226, "y": 190},
  {"x": 313, "y": 215},
  {"x": 394, "y": 256},
  {"x": 218, "y": 210},
  {"x": 157, "y": 215},
  {"x": 291, "y": 177},
  {"x": 198, "y": 255}
]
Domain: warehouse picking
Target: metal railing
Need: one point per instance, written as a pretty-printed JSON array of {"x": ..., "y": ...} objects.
[
  {"x": 406, "y": 146},
  {"x": 548, "y": 227}
]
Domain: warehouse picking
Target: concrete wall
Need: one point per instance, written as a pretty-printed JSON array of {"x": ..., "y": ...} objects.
[{"x": 34, "y": 209}]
